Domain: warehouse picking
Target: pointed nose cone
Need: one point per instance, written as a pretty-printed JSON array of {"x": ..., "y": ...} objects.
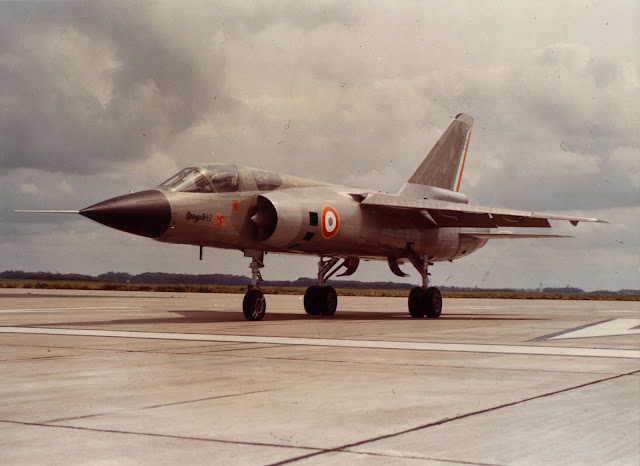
[{"x": 147, "y": 213}]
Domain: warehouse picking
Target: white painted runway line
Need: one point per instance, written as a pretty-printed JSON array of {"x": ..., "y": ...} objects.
[
  {"x": 614, "y": 327},
  {"x": 55, "y": 309},
  {"x": 366, "y": 344}
]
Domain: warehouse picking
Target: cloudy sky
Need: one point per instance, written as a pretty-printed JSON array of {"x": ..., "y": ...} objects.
[{"x": 101, "y": 98}]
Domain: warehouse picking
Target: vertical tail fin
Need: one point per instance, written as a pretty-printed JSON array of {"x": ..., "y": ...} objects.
[{"x": 442, "y": 167}]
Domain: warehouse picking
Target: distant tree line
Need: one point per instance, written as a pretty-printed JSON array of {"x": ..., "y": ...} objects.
[
  {"x": 566, "y": 289},
  {"x": 152, "y": 278}
]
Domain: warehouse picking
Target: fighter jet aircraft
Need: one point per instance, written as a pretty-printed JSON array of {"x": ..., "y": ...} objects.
[{"x": 256, "y": 211}]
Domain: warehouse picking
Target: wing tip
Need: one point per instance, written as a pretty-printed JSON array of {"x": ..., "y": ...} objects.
[{"x": 591, "y": 220}]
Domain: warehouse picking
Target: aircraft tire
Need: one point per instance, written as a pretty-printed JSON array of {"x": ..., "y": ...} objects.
[
  {"x": 433, "y": 303},
  {"x": 254, "y": 305},
  {"x": 416, "y": 302},
  {"x": 311, "y": 298},
  {"x": 328, "y": 301}
]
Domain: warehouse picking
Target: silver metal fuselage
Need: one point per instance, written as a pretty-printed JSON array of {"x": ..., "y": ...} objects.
[{"x": 224, "y": 220}]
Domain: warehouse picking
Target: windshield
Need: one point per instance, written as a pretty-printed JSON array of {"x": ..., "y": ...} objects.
[{"x": 188, "y": 180}]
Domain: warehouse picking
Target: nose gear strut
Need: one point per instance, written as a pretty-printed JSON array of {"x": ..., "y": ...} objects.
[{"x": 254, "y": 305}]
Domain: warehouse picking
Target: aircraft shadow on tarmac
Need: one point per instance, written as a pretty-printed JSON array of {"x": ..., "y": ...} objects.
[{"x": 193, "y": 317}]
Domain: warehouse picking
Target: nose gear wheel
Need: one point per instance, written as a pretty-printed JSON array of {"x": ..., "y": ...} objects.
[{"x": 254, "y": 305}]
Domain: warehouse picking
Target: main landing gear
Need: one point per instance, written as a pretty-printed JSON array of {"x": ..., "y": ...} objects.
[
  {"x": 424, "y": 300},
  {"x": 321, "y": 299}
]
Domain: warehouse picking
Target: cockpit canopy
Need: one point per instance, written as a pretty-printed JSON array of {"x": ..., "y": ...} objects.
[
  {"x": 265, "y": 180},
  {"x": 219, "y": 178},
  {"x": 216, "y": 178}
]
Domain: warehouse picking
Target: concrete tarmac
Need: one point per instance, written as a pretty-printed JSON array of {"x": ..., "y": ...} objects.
[{"x": 161, "y": 378}]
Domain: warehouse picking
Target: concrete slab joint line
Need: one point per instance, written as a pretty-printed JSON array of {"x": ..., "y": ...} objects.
[
  {"x": 142, "y": 408},
  {"x": 152, "y": 434},
  {"x": 347, "y": 448}
]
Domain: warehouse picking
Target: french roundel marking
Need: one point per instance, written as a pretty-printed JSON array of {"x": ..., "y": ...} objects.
[{"x": 330, "y": 222}]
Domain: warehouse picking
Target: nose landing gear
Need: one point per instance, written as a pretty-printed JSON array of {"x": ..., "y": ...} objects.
[{"x": 254, "y": 305}]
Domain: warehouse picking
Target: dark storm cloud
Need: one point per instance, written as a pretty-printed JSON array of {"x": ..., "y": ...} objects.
[
  {"x": 560, "y": 132},
  {"x": 88, "y": 84}
]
